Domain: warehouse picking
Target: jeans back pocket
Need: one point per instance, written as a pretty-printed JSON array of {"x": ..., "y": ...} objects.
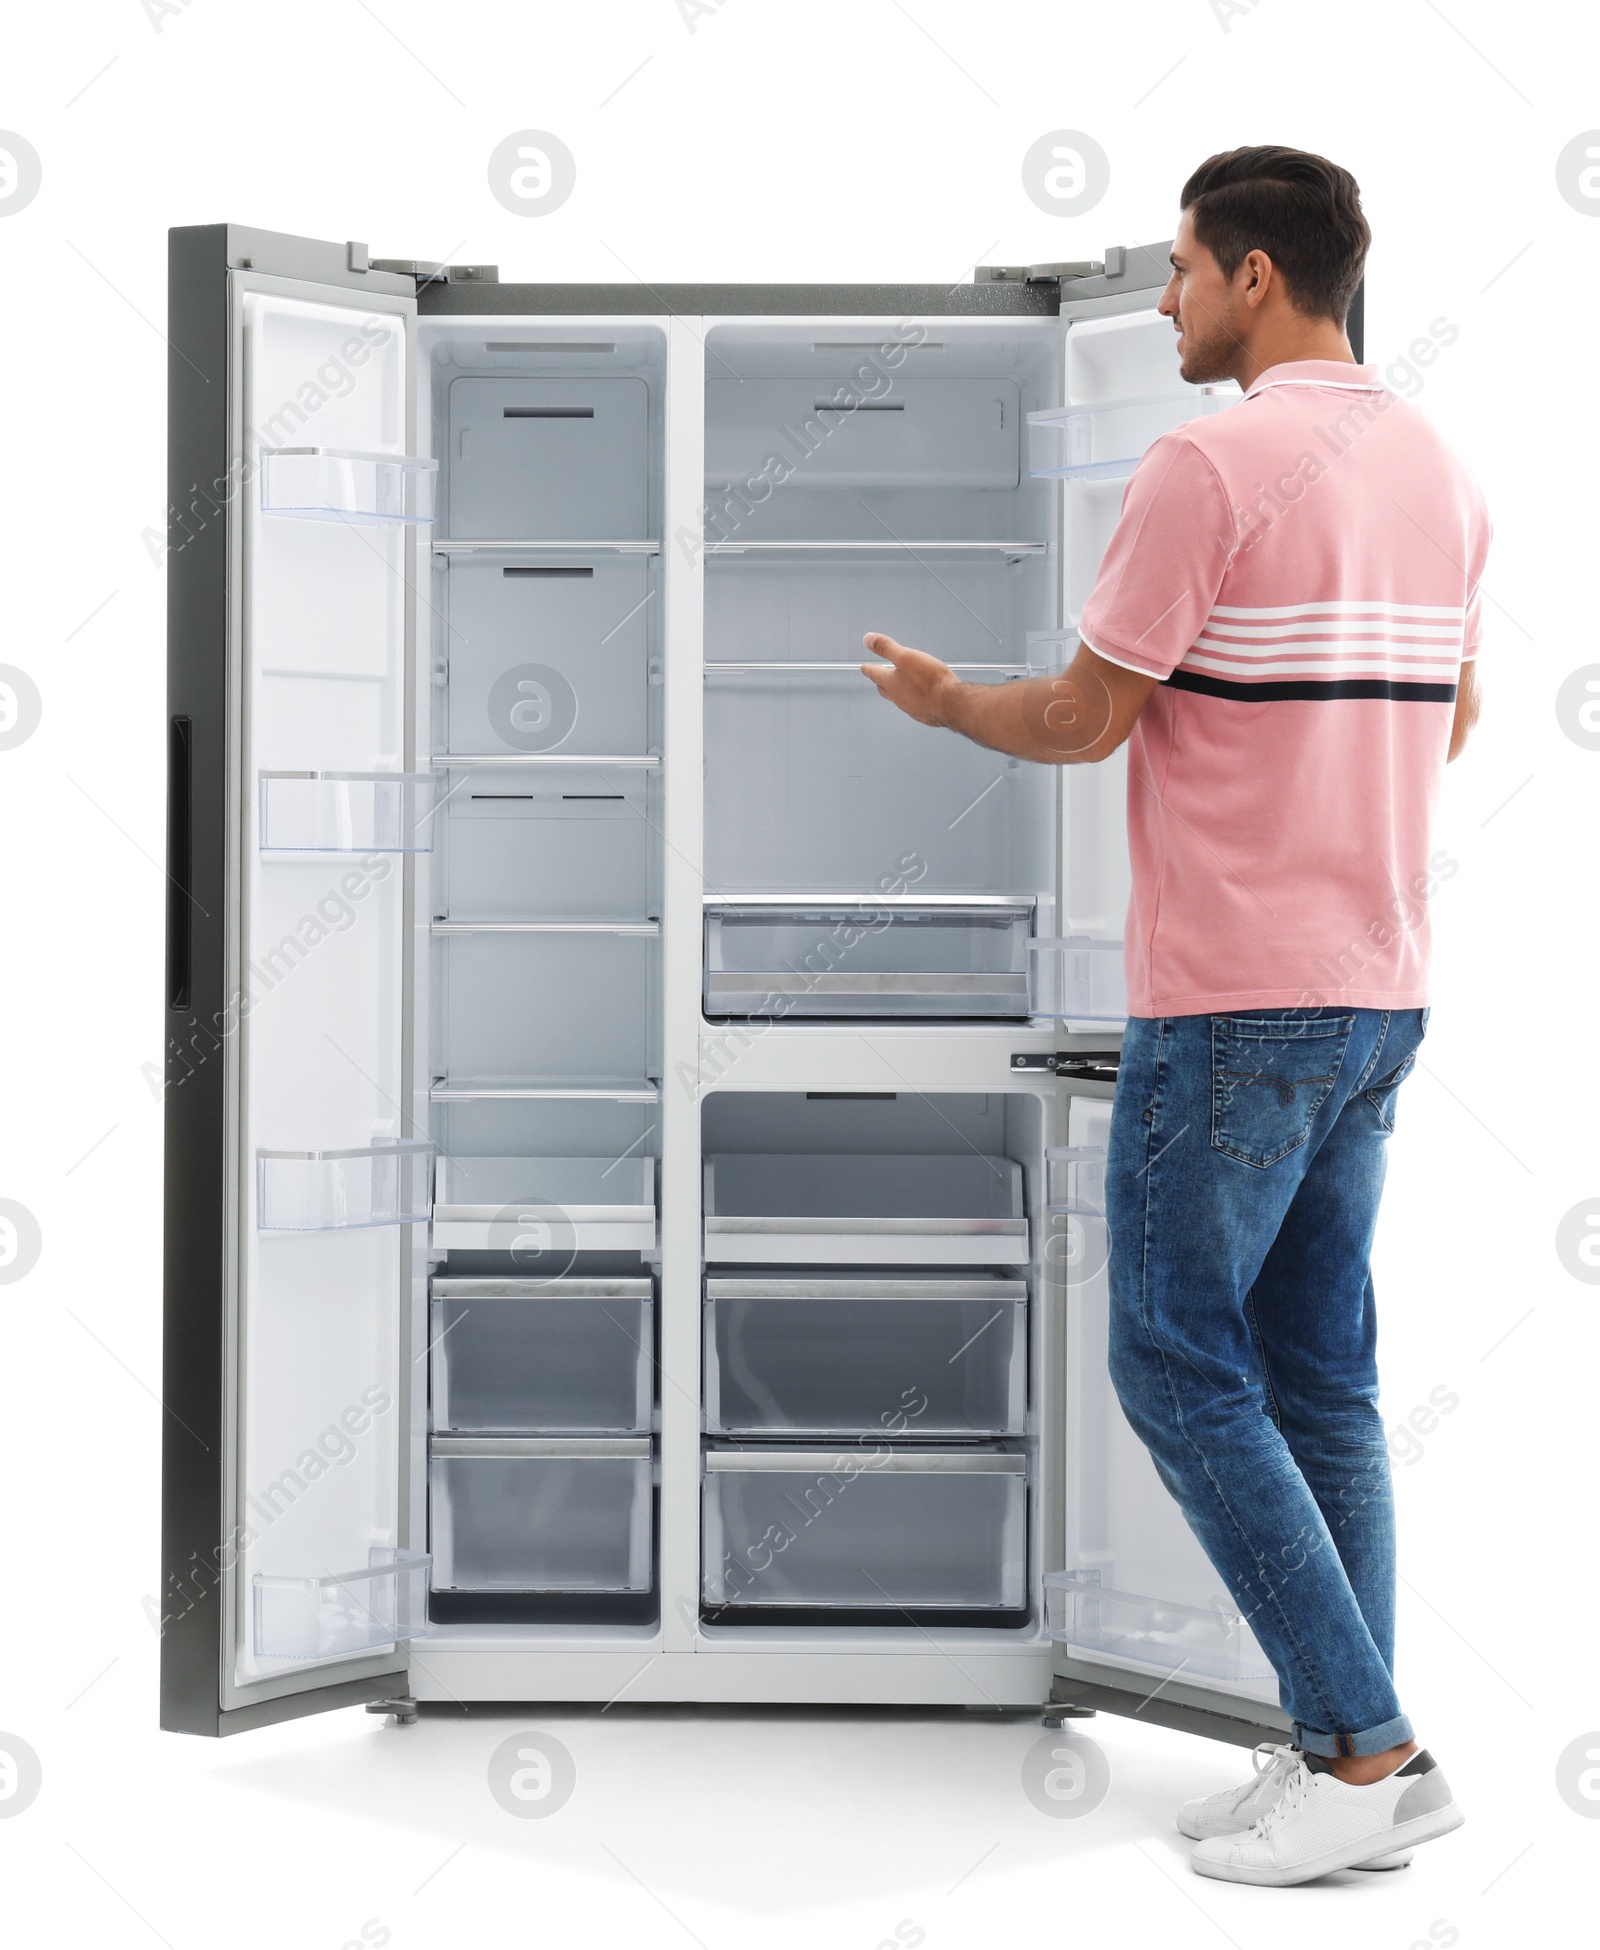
[{"x": 1270, "y": 1075}]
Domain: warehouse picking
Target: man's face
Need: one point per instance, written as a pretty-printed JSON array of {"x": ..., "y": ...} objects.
[{"x": 1206, "y": 308}]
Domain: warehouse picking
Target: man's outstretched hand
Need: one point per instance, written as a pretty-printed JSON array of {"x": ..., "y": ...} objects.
[{"x": 923, "y": 687}]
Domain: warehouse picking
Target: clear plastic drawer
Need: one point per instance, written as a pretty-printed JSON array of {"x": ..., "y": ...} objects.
[
  {"x": 540, "y": 1513},
  {"x": 342, "y": 484},
  {"x": 569, "y": 1356},
  {"x": 860, "y": 958},
  {"x": 346, "y": 812},
  {"x": 343, "y": 1612},
  {"x": 837, "y": 1356},
  {"x": 869, "y": 1526}
]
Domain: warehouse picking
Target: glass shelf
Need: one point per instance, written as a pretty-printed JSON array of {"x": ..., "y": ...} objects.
[
  {"x": 332, "y": 1191},
  {"x": 343, "y": 1612},
  {"x": 554, "y": 548},
  {"x": 647, "y": 928},
  {"x": 343, "y": 484},
  {"x": 1104, "y": 441},
  {"x": 597, "y": 761},
  {"x": 602, "y": 1090},
  {"x": 904, "y": 545},
  {"x": 837, "y": 669},
  {"x": 346, "y": 812}
]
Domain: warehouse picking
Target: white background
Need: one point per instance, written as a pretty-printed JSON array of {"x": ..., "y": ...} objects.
[{"x": 767, "y": 139}]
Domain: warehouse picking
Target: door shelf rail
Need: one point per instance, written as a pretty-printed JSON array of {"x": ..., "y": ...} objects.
[
  {"x": 345, "y": 484},
  {"x": 345, "y": 812},
  {"x": 336, "y": 1191},
  {"x": 1104, "y": 440},
  {"x": 338, "y": 1613},
  {"x": 1096, "y": 1621}
]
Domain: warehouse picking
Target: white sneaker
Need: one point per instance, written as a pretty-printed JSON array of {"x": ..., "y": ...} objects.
[
  {"x": 1318, "y": 1823},
  {"x": 1233, "y": 1810}
]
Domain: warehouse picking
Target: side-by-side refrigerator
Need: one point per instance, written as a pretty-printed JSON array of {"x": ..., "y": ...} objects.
[{"x": 637, "y": 1103}]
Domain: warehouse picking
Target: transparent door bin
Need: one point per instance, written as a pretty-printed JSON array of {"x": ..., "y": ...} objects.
[
  {"x": 1079, "y": 977},
  {"x": 346, "y": 812},
  {"x": 582, "y": 1204},
  {"x": 568, "y": 1356},
  {"x": 838, "y": 1208},
  {"x": 343, "y": 1612},
  {"x": 343, "y": 484},
  {"x": 905, "y": 1359},
  {"x": 1209, "y": 1642},
  {"x": 1075, "y": 1178},
  {"x": 330, "y": 1191},
  {"x": 1104, "y": 441},
  {"x": 862, "y": 958},
  {"x": 540, "y": 1513},
  {"x": 867, "y": 1527}
]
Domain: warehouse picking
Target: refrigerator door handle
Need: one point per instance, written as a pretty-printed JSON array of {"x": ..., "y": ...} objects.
[{"x": 180, "y": 861}]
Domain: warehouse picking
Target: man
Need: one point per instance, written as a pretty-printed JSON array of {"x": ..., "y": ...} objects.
[{"x": 1284, "y": 626}]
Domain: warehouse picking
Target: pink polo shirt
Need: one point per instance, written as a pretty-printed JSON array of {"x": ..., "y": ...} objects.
[{"x": 1302, "y": 572}]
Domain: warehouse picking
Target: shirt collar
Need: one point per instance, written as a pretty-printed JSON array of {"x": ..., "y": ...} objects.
[{"x": 1319, "y": 372}]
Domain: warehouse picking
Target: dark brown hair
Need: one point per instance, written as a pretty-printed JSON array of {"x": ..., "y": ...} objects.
[{"x": 1302, "y": 210}]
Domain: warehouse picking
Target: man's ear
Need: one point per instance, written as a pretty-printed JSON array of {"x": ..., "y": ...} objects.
[{"x": 1260, "y": 267}]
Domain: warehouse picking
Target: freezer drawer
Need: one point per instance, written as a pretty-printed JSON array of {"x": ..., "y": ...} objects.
[
  {"x": 865, "y": 958},
  {"x": 532, "y": 1513},
  {"x": 864, "y": 1354},
  {"x": 545, "y": 1204},
  {"x": 570, "y": 1356},
  {"x": 836, "y": 1208},
  {"x": 867, "y": 1526}
]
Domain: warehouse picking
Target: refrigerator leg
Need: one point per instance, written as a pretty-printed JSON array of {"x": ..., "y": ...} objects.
[
  {"x": 1055, "y": 1714},
  {"x": 401, "y": 1712}
]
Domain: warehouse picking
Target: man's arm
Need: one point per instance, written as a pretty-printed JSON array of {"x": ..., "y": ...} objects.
[
  {"x": 1469, "y": 702},
  {"x": 1074, "y": 719}
]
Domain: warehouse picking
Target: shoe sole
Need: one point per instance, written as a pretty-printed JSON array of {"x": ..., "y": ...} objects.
[
  {"x": 1425, "y": 1828},
  {"x": 1397, "y": 1859}
]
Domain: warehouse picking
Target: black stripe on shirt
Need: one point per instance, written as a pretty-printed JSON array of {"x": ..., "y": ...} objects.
[{"x": 1274, "y": 692}]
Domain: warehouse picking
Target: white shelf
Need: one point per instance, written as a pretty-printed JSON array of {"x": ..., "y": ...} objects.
[
  {"x": 648, "y": 928},
  {"x": 473, "y": 1090},
  {"x": 343, "y": 1612},
  {"x": 549, "y": 548},
  {"x": 595, "y": 761},
  {"x": 346, "y": 485},
  {"x": 896, "y": 546}
]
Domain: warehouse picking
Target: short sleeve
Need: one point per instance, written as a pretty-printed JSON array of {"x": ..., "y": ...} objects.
[
  {"x": 1480, "y": 533},
  {"x": 1161, "y": 573}
]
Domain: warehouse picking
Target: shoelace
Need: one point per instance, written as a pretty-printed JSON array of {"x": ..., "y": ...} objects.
[
  {"x": 1267, "y": 1756},
  {"x": 1294, "y": 1791}
]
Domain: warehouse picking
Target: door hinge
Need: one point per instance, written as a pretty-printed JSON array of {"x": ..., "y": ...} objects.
[
  {"x": 414, "y": 267},
  {"x": 1100, "y": 1067},
  {"x": 1112, "y": 265}
]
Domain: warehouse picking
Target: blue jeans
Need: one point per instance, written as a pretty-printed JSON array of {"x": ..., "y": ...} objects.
[{"x": 1246, "y": 1164}]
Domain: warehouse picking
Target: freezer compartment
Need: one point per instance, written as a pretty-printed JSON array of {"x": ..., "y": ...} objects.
[
  {"x": 540, "y": 1513},
  {"x": 865, "y": 1354},
  {"x": 1080, "y": 976},
  {"x": 833, "y": 1208},
  {"x": 548, "y": 653},
  {"x": 1151, "y": 1634},
  {"x": 542, "y": 1357},
  {"x": 1104, "y": 440},
  {"x": 342, "y": 484},
  {"x": 345, "y": 812},
  {"x": 327, "y": 1191},
  {"x": 864, "y": 958},
  {"x": 583, "y": 1204},
  {"x": 872, "y": 1527},
  {"x": 343, "y": 1612},
  {"x": 537, "y": 457}
]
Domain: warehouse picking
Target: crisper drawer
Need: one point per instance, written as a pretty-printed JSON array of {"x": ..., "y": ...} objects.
[
  {"x": 540, "y": 1513},
  {"x": 837, "y": 1208},
  {"x": 866, "y": 1527},
  {"x": 542, "y": 1357},
  {"x": 865, "y": 1354},
  {"x": 863, "y": 958}
]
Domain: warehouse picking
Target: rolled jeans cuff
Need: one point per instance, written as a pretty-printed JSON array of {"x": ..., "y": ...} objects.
[{"x": 1347, "y": 1746}]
